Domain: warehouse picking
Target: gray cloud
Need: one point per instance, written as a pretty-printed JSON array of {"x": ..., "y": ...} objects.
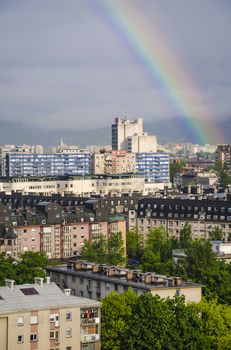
[{"x": 62, "y": 64}]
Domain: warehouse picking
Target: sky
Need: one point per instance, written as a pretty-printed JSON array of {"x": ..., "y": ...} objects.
[{"x": 79, "y": 63}]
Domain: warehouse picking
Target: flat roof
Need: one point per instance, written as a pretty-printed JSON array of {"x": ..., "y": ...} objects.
[
  {"x": 47, "y": 296},
  {"x": 118, "y": 280}
]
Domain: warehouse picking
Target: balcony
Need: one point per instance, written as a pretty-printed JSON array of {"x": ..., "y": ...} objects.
[
  {"x": 90, "y": 337},
  {"x": 89, "y": 321}
]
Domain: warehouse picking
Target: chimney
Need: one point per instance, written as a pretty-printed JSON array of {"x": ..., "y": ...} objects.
[
  {"x": 48, "y": 280},
  {"x": 39, "y": 281},
  {"x": 9, "y": 283},
  {"x": 67, "y": 292}
]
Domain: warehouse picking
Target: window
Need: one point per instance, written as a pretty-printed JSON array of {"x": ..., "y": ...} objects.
[
  {"x": 54, "y": 335},
  {"x": 68, "y": 316},
  {"x": 68, "y": 348},
  {"x": 20, "y": 321},
  {"x": 33, "y": 337},
  {"x": 68, "y": 332},
  {"x": 54, "y": 318},
  {"x": 88, "y": 346},
  {"x": 20, "y": 339},
  {"x": 33, "y": 319}
]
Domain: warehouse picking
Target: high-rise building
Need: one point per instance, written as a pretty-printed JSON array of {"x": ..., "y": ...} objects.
[
  {"x": 122, "y": 129},
  {"x": 153, "y": 166},
  {"x": 58, "y": 164},
  {"x": 129, "y": 135},
  {"x": 223, "y": 155}
]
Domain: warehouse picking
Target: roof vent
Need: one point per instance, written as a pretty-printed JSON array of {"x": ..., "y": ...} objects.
[
  {"x": 9, "y": 283},
  {"x": 67, "y": 292},
  {"x": 39, "y": 281}
]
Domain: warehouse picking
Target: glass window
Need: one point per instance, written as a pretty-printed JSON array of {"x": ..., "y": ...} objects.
[
  {"x": 20, "y": 338},
  {"x": 33, "y": 337},
  {"x": 68, "y": 332},
  {"x": 33, "y": 319},
  {"x": 20, "y": 321},
  {"x": 68, "y": 316}
]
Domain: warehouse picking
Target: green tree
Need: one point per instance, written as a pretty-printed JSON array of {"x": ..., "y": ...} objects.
[
  {"x": 88, "y": 251},
  {"x": 185, "y": 238},
  {"x": 117, "y": 311},
  {"x": 223, "y": 174},
  {"x": 217, "y": 234},
  {"x": 115, "y": 247},
  {"x": 134, "y": 244},
  {"x": 176, "y": 167}
]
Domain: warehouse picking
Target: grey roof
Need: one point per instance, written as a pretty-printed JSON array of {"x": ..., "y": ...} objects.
[{"x": 49, "y": 296}]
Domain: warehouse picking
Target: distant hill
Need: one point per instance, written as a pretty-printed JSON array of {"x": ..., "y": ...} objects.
[{"x": 167, "y": 131}]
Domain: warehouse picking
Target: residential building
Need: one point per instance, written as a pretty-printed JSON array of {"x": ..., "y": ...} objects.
[
  {"x": 154, "y": 167},
  {"x": 173, "y": 214},
  {"x": 114, "y": 162},
  {"x": 21, "y": 164},
  {"x": 223, "y": 155},
  {"x": 41, "y": 316},
  {"x": 84, "y": 186},
  {"x": 96, "y": 281}
]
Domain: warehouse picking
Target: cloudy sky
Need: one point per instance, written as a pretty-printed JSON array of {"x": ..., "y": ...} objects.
[{"x": 79, "y": 63}]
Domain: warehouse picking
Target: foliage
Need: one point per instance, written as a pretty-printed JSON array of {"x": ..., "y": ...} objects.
[
  {"x": 30, "y": 265},
  {"x": 157, "y": 255},
  {"x": 147, "y": 322},
  {"x": 134, "y": 244},
  {"x": 185, "y": 238},
  {"x": 109, "y": 251},
  {"x": 217, "y": 234},
  {"x": 176, "y": 167},
  {"x": 223, "y": 174}
]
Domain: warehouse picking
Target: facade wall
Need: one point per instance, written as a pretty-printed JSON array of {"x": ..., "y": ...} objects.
[
  {"x": 20, "y": 164},
  {"x": 153, "y": 166},
  {"x": 74, "y": 332},
  {"x": 96, "y": 288}
]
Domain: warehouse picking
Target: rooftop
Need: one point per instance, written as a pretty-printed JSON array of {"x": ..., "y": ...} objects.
[
  {"x": 122, "y": 276},
  {"x": 35, "y": 296}
]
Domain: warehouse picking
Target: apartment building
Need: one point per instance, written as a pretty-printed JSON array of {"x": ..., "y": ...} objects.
[
  {"x": 41, "y": 316},
  {"x": 154, "y": 167},
  {"x": 173, "y": 214},
  {"x": 84, "y": 186},
  {"x": 57, "y": 240},
  {"x": 32, "y": 164},
  {"x": 96, "y": 281},
  {"x": 223, "y": 155},
  {"x": 114, "y": 162}
]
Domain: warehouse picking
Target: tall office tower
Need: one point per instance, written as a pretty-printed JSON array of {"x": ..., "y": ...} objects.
[
  {"x": 223, "y": 155},
  {"x": 128, "y": 135}
]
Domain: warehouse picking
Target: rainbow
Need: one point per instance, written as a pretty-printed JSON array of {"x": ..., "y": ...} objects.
[{"x": 160, "y": 66}]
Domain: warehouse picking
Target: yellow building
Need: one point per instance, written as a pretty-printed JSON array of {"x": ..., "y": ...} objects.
[{"x": 41, "y": 316}]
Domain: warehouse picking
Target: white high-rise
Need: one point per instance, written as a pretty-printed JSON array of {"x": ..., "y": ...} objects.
[{"x": 129, "y": 135}]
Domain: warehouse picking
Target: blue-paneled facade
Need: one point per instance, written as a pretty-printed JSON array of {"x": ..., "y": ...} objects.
[
  {"x": 153, "y": 166},
  {"x": 22, "y": 164}
]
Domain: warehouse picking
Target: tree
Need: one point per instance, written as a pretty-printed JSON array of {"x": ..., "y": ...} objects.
[
  {"x": 117, "y": 311},
  {"x": 134, "y": 244},
  {"x": 157, "y": 254},
  {"x": 185, "y": 236},
  {"x": 30, "y": 265},
  {"x": 88, "y": 252},
  {"x": 217, "y": 234},
  {"x": 115, "y": 246},
  {"x": 223, "y": 174},
  {"x": 176, "y": 167}
]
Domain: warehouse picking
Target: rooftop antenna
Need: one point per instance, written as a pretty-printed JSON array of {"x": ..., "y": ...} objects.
[
  {"x": 61, "y": 142},
  {"x": 125, "y": 115}
]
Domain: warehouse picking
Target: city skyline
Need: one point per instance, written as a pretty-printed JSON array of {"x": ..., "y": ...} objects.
[{"x": 77, "y": 64}]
